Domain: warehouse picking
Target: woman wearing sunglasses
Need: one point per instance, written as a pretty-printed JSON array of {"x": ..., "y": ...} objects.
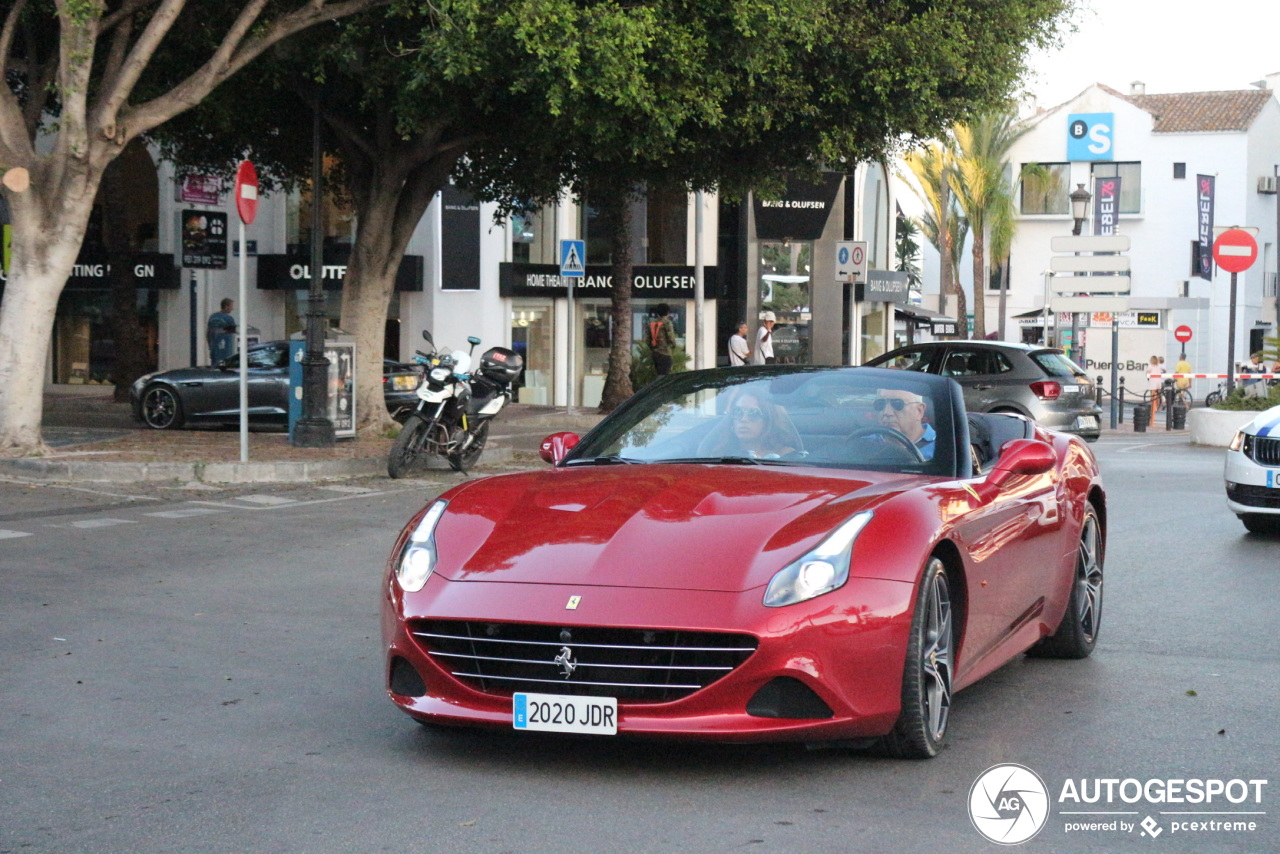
[
  {"x": 754, "y": 427},
  {"x": 904, "y": 411}
]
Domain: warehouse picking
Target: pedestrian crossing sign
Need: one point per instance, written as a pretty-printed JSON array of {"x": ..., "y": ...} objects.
[{"x": 573, "y": 255}]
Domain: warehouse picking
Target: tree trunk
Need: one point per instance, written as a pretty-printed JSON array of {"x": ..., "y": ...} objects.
[
  {"x": 388, "y": 208},
  {"x": 1003, "y": 302},
  {"x": 979, "y": 285},
  {"x": 614, "y": 203},
  {"x": 48, "y": 229}
]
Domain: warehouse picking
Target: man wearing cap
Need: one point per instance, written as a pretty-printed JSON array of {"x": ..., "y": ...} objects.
[{"x": 763, "y": 354}]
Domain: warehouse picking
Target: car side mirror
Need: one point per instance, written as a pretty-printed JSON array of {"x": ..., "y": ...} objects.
[
  {"x": 555, "y": 446},
  {"x": 1021, "y": 457}
]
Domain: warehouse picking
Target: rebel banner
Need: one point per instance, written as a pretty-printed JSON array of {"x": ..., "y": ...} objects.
[
  {"x": 1204, "y": 225},
  {"x": 1106, "y": 206}
]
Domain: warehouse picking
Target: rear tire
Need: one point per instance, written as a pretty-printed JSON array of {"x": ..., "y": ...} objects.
[
  {"x": 1261, "y": 523},
  {"x": 1078, "y": 631},
  {"x": 162, "y": 408},
  {"x": 464, "y": 461},
  {"x": 928, "y": 673},
  {"x": 1212, "y": 397},
  {"x": 404, "y": 453}
]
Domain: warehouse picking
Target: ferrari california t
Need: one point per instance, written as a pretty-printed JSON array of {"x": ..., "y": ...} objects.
[{"x": 763, "y": 553}]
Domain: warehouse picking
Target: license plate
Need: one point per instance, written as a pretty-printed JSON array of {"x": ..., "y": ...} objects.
[
  {"x": 1070, "y": 389},
  {"x": 405, "y": 383},
  {"x": 559, "y": 713},
  {"x": 1088, "y": 422}
]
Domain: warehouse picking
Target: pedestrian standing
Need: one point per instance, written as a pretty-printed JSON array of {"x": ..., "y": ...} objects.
[
  {"x": 739, "y": 350},
  {"x": 763, "y": 354},
  {"x": 1183, "y": 367},
  {"x": 220, "y": 333},
  {"x": 662, "y": 337},
  {"x": 1154, "y": 384}
]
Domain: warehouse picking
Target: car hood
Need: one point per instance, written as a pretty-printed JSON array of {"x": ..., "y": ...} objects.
[{"x": 690, "y": 526}]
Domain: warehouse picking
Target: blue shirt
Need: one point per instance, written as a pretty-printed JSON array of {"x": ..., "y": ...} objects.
[{"x": 926, "y": 442}]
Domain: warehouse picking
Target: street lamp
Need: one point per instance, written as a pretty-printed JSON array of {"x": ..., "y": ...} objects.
[{"x": 1080, "y": 198}]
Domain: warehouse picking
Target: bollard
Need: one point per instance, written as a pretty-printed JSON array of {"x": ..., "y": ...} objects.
[
  {"x": 1097, "y": 390},
  {"x": 1121, "y": 396},
  {"x": 1178, "y": 416},
  {"x": 1141, "y": 417},
  {"x": 1168, "y": 405}
]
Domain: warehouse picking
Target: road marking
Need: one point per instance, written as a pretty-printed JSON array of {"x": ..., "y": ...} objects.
[
  {"x": 182, "y": 514},
  {"x": 352, "y": 490},
  {"x": 8, "y": 535},
  {"x": 97, "y": 523},
  {"x": 266, "y": 500}
]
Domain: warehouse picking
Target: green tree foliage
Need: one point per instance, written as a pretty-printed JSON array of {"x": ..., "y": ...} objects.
[
  {"x": 78, "y": 85},
  {"x": 984, "y": 191}
]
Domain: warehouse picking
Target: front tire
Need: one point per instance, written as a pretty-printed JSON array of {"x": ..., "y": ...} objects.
[
  {"x": 464, "y": 461},
  {"x": 1078, "y": 631},
  {"x": 162, "y": 408},
  {"x": 929, "y": 671},
  {"x": 404, "y": 453}
]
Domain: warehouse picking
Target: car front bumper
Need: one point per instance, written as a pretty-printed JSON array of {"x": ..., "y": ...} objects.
[{"x": 850, "y": 657}]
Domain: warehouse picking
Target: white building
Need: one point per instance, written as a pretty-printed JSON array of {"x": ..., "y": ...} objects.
[{"x": 1157, "y": 144}]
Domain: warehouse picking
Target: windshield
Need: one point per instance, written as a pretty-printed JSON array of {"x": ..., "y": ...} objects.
[{"x": 836, "y": 417}]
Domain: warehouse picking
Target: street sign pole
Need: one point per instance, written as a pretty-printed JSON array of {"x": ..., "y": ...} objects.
[
  {"x": 247, "y": 207},
  {"x": 1234, "y": 249},
  {"x": 573, "y": 265},
  {"x": 1115, "y": 369},
  {"x": 1231, "y": 337}
]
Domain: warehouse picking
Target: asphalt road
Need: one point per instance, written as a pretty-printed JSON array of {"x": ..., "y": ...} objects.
[{"x": 199, "y": 671}]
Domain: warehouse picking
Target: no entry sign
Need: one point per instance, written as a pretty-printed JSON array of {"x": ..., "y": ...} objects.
[
  {"x": 1235, "y": 250},
  {"x": 1183, "y": 334},
  {"x": 247, "y": 192}
]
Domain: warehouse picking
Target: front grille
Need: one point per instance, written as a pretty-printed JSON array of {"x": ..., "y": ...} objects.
[
  {"x": 1254, "y": 496},
  {"x": 1263, "y": 450},
  {"x": 636, "y": 665}
]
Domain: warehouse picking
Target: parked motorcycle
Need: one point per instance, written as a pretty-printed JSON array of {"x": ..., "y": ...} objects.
[{"x": 454, "y": 406}]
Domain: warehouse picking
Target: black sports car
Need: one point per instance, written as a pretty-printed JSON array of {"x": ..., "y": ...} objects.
[{"x": 167, "y": 400}]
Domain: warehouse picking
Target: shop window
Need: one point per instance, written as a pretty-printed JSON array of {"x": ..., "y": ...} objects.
[
  {"x": 1130, "y": 175},
  {"x": 1044, "y": 188},
  {"x": 532, "y": 337},
  {"x": 533, "y": 237},
  {"x": 785, "y": 288},
  {"x": 337, "y": 216}
]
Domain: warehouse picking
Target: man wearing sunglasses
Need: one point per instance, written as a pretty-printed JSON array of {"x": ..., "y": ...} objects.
[{"x": 904, "y": 411}]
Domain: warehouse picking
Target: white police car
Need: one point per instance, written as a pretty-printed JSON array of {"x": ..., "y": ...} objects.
[{"x": 1253, "y": 473}]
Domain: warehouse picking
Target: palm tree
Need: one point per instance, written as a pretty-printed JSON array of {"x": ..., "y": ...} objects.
[
  {"x": 941, "y": 224},
  {"x": 984, "y": 190}
]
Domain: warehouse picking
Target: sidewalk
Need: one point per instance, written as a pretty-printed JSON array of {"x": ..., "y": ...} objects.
[{"x": 96, "y": 439}]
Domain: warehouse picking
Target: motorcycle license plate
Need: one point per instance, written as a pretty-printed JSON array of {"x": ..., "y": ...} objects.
[{"x": 562, "y": 713}]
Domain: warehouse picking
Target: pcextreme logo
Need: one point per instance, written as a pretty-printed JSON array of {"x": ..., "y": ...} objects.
[{"x": 1009, "y": 804}]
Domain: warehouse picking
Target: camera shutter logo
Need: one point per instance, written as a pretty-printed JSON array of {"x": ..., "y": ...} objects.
[{"x": 1008, "y": 804}]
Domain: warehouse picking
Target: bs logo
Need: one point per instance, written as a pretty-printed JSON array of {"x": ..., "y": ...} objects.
[{"x": 1090, "y": 136}]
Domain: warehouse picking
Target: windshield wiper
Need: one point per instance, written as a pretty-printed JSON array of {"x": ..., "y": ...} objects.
[
  {"x": 610, "y": 459},
  {"x": 755, "y": 461}
]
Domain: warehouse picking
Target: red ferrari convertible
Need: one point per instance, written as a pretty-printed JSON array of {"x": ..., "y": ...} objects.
[{"x": 752, "y": 554}]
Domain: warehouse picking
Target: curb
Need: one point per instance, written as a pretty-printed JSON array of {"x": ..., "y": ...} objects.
[{"x": 61, "y": 471}]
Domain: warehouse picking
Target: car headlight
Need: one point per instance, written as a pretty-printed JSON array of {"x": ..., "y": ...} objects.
[
  {"x": 1237, "y": 442},
  {"x": 419, "y": 556},
  {"x": 822, "y": 570},
  {"x": 440, "y": 375}
]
